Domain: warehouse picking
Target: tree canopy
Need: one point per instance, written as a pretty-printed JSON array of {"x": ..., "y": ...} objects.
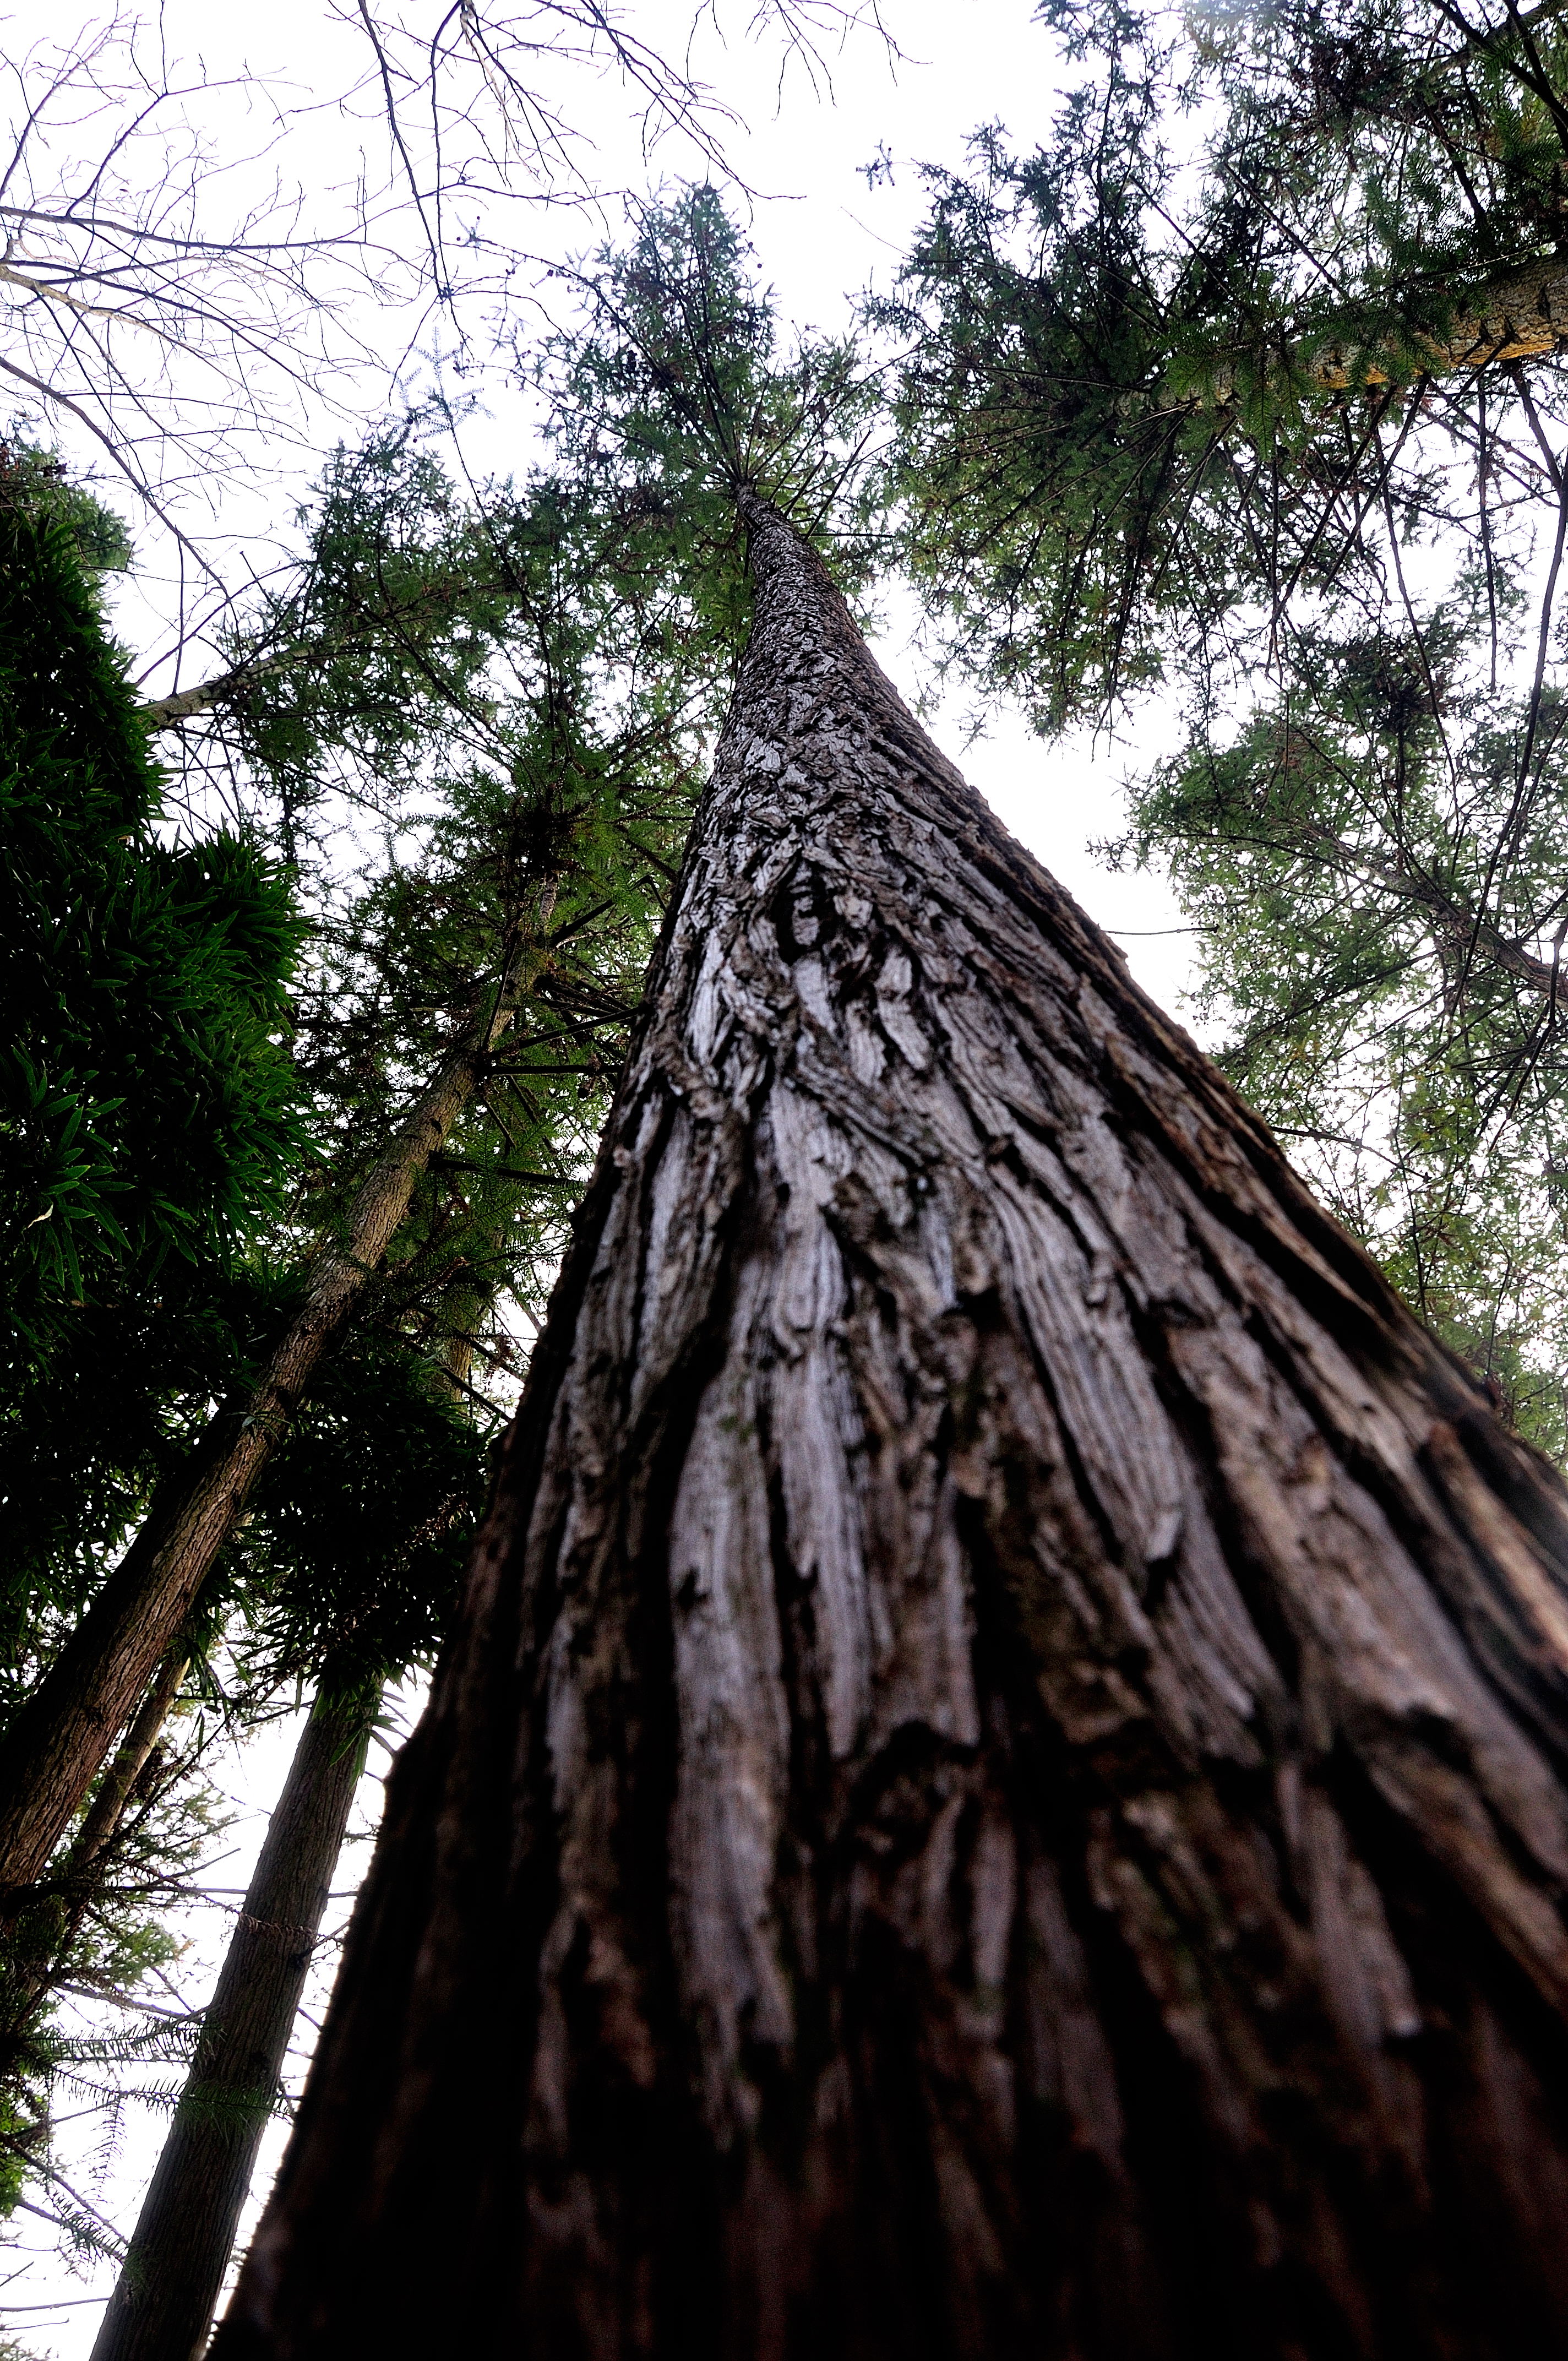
[
  {"x": 150, "y": 1104},
  {"x": 1237, "y": 329},
  {"x": 1241, "y": 390}
]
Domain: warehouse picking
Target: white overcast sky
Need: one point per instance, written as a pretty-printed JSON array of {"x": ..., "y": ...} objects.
[{"x": 823, "y": 236}]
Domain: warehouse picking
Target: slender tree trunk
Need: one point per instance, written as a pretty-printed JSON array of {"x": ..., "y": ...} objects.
[
  {"x": 463, "y": 1309},
  {"x": 31, "y": 1972},
  {"x": 1001, "y": 1790},
  {"x": 108, "y": 1806},
  {"x": 162, "y": 2306},
  {"x": 61, "y": 1735}
]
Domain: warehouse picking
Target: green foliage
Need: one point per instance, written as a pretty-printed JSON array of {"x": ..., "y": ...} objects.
[
  {"x": 146, "y": 1101},
  {"x": 383, "y": 645},
  {"x": 85, "y": 1437},
  {"x": 1172, "y": 376},
  {"x": 16, "y": 2140},
  {"x": 358, "y": 1534},
  {"x": 35, "y": 483},
  {"x": 675, "y": 391},
  {"x": 1386, "y": 979},
  {"x": 533, "y": 795},
  {"x": 1194, "y": 394}
]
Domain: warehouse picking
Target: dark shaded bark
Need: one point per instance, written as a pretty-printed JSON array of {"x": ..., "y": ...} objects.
[
  {"x": 1002, "y": 1787},
  {"x": 162, "y": 2305},
  {"x": 59, "y": 1737}
]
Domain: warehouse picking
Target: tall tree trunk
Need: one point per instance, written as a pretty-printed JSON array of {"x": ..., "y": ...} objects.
[
  {"x": 61, "y": 1736},
  {"x": 162, "y": 2305},
  {"x": 46, "y": 1932},
  {"x": 1002, "y": 1787}
]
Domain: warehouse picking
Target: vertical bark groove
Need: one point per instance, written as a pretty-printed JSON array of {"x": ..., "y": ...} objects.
[{"x": 1001, "y": 1788}]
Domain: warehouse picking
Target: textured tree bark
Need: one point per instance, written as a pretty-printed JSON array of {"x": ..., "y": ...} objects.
[
  {"x": 163, "y": 2302},
  {"x": 57, "y": 1741},
  {"x": 1002, "y": 1787}
]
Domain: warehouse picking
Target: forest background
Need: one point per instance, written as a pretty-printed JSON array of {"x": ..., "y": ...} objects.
[
  {"x": 825, "y": 150},
  {"x": 819, "y": 157}
]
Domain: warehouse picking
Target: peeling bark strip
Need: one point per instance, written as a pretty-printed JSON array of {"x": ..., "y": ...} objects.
[{"x": 1001, "y": 1790}]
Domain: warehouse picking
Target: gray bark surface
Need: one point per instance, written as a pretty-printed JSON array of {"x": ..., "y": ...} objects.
[
  {"x": 1001, "y": 1788},
  {"x": 162, "y": 2306}
]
